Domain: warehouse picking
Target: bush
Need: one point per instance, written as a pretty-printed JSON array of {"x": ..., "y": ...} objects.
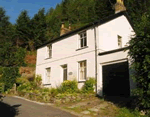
[
  {"x": 25, "y": 87},
  {"x": 53, "y": 92},
  {"x": 124, "y": 112},
  {"x": 21, "y": 80},
  {"x": 8, "y": 76},
  {"x": 69, "y": 86},
  {"x": 89, "y": 86},
  {"x": 1, "y": 87},
  {"x": 38, "y": 80}
]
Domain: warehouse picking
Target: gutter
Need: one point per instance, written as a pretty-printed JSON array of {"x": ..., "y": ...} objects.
[{"x": 95, "y": 57}]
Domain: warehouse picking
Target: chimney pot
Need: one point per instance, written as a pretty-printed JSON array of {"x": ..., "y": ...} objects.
[
  {"x": 69, "y": 26},
  {"x": 119, "y": 6}
]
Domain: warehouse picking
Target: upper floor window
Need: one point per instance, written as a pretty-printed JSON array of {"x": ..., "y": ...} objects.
[
  {"x": 82, "y": 39},
  {"x": 119, "y": 41},
  {"x": 49, "y": 51}
]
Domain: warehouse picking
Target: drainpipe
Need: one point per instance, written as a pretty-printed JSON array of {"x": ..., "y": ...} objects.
[{"x": 95, "y": 57}]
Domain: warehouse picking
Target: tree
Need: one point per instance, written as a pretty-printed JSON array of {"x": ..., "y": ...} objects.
[
  {"x": 39, "y": 27},
  {"x": 23, "y": 30},
  {"x": 4, "y": 26},
  {"x": 140, "y": 55},
  {"x": 11, "y": 57}
]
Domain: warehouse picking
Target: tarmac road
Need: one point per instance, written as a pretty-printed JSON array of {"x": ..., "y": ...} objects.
[{"x": 17, "y": 107}]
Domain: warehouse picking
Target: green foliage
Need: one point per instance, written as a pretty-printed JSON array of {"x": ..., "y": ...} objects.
[
  {"x": 4, "y": 26},
  {"x": 38, "y": 80},
  {"x": 89, "y": 86},
  {"x": 69, "y": 86},
  {"x": 11, "y": 55},
  {"x": 21, "y": 80},
  {"x": 124, "y": 112},
  {"x": 53, "y": 92},
  {"x": 1, "y": 87},
  {"x": 140, "y": 55},
  {"x": 39, "y": 27},
  {"x": 9, "y": 75},
  {"x": 23, "y": 30},
  {"x": 26, "y": 85}
]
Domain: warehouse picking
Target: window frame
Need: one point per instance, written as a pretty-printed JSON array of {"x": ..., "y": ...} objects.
[
  {"x": 49, "y": 51},
  {"x": 82, "y": 39},
  {"x": 119, "y": 41},
  {"x": 47, "y": 78},
  {"x": 65, "y": 66},
  {"x": 85, "y": 71}
]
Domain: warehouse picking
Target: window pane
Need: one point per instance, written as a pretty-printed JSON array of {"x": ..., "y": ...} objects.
[
  {"x": 49, "y": 51},
  {"x": 84, "y": 34},
  {"x": 119, "y": 41},
  {"x": 48, "y": 70},
  {"x": 64, "y": 68},
  {"x": 65, "y": 74},
  {"x": 81, "y": 36},
  {"x": 85, "y": 42},
  {"x": 82, "y": 39},
  {"x": 82, "y": 70},
  {"x": 85, "y": 73},
  {"x": 81, "y": 42}
]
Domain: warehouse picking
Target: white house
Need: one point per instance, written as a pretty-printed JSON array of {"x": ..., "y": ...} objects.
[{"x": 95, "y": 50}]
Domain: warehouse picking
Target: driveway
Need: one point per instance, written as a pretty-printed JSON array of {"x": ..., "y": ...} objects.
[{"x": 16, "y": 107}]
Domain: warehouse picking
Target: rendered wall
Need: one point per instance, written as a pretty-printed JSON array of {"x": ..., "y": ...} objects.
[
  {"x": 66, "y": 51},
  {"x": 108, "y": 33}
]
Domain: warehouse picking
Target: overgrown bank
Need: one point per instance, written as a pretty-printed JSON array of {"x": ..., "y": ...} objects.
[
  {"x": 68, "y": 96},
  {"x": 67, "y": 92}
]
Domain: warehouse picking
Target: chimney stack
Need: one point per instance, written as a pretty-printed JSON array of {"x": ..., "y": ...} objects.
[
  {"x": 70, "y": 27},
  {"x": 64, "y": 30},
  {"x": 119, "y": 6}
]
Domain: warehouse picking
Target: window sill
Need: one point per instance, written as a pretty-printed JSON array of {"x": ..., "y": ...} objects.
[
  {"x": 82, "y": 81},
  {"x": 48, "y": 58},
  {"x": 46, "y": 84},
  {"x": 82, "y": 48}
]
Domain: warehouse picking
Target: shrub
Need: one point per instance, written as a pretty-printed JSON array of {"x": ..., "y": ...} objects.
[
  {"x": 1, "y": 87},
  {"x": 53, "y": 92},
  {"x": 38, "y": 80},
  {"x": 45, "y": 90},
  {"x": 8, "y": 76},
  {"x": 89, "y": 86},
  {"x": 24, "y": 87},
  {"x": 69, "y": 86},
  {"x": 124, "y": 112},
  {"x": 21, "y": 80}
]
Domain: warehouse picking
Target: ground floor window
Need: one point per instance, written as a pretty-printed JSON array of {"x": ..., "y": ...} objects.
[
  {"x": 82, "y": 70},
  {"x": 48, "y": 72},
  {"x": 64, "y": 69}
]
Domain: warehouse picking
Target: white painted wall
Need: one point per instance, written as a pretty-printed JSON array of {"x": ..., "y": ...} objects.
[
  {"x": 65, "y": 51},
  {"x": 108, "y": 33}
]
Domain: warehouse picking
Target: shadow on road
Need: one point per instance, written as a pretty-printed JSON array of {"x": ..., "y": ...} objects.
[{"x": 8, "y": 111}]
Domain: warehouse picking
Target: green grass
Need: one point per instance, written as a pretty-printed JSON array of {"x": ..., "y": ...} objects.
[{"x": 124, "y": 112}]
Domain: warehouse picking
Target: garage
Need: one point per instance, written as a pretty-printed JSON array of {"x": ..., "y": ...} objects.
[{"x": 115, "y": 79}]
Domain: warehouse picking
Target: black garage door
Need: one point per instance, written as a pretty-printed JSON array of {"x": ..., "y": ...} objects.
[{"x": 116, "y": 79}]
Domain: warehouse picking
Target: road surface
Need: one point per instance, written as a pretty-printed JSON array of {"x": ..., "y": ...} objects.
[{"x": 16, "y": 107}]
